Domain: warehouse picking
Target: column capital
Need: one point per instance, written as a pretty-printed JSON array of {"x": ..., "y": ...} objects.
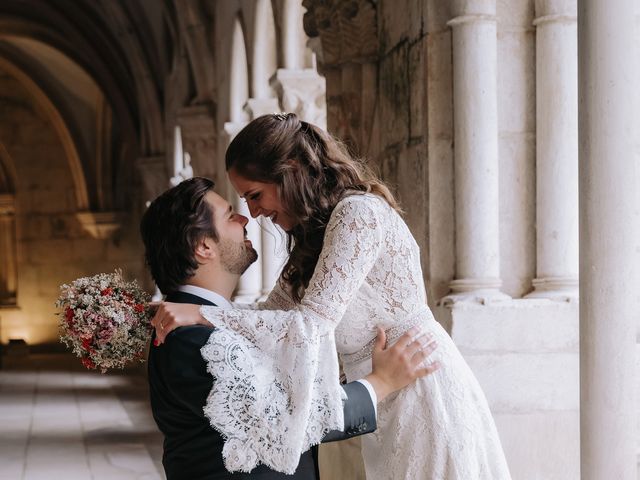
[{"x": 303, "y": 92}]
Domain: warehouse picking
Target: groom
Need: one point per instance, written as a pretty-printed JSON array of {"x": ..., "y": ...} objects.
[{"x": 196, "y": 250}]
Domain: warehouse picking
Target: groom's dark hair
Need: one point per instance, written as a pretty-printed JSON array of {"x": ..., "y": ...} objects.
[{"x": 171, "y": 228}]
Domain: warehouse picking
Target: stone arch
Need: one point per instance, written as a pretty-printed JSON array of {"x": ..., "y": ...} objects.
[{"x": 60, "y": 126}]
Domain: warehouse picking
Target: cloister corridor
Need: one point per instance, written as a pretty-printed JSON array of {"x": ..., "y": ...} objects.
[{"x": 58, "y": 420}]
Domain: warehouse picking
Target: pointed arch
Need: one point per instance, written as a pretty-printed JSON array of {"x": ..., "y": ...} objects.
[{"x": 60, "y": 127}]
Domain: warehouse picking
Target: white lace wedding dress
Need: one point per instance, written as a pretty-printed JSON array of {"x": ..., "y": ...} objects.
[{"x": 276, "y": 391}]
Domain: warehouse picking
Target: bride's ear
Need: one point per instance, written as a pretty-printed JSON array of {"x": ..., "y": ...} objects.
[{"x": 206, "y": 249}]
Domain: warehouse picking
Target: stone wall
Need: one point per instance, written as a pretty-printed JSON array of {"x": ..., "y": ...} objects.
[{"x": 52, "y": 246}]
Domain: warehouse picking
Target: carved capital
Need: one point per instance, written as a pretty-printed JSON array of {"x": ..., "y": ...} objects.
[
  {"x": 199, "y": 140},
  {"x": 348, "y": 30},
  {"x": 303, "y": 92}
]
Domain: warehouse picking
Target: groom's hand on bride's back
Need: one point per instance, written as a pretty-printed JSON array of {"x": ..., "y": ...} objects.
[{"x": 403, "y": 363}]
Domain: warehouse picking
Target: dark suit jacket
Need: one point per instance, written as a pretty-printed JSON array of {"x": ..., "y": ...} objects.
[{"x": 179, "y": 387}]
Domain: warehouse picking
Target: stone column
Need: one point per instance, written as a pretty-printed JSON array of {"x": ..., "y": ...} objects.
[
  {"x": 556, "y": 150},
  {"x": 8, "y": 251},
  {"x": 250, "y": 284},
  {"x": 476, "y": 154},
  {"x": 609, "y": 156}
]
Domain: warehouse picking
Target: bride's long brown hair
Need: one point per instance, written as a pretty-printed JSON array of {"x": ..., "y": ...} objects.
[{"x": 312, "y": 172}]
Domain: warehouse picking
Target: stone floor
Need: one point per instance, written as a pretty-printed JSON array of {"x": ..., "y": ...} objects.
[{"x": 58, "y": 420}]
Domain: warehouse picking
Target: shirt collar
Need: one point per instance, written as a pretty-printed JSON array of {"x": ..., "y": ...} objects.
[{"x": 210, "y": 295}]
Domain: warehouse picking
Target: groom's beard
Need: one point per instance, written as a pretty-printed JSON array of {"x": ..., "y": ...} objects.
[{"x": 236, "y": 257}]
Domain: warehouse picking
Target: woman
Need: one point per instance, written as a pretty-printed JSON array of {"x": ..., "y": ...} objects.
[{"x": 353, "y": 265}]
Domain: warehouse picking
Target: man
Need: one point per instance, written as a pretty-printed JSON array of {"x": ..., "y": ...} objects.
[{"x": 196, "y": 249}]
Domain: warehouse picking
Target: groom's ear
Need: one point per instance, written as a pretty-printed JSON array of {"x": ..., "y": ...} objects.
[{"x": 206, "y": 248}]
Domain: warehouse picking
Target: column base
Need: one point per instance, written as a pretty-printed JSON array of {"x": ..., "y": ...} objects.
[
  {"x": 559, "y": 289},
  {"x": 484, "y": 291}
]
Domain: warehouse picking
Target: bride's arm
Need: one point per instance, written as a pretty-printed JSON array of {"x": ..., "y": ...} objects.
[{"x": 353, "y": 239}]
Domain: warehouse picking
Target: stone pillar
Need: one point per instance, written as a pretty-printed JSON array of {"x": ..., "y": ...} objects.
[
  {"x": 292, "y": 36},
  {"x": 609, "y": 156},
  {"x": 250, "y": 284},
  {"x": 556, "y": 150},
  {"x": 8, "y": 251},
  {"x": 476, "y": 154}
]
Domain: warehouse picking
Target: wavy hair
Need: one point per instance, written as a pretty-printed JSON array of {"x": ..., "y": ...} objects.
[
  {"x": 312, "y": 172},
  {"x": 171, "y": 228}
]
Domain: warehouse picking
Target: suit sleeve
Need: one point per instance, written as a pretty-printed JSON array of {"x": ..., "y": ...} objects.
[
  {"x": 187, "y": 374},
  {"x": 359, "y": 414}
]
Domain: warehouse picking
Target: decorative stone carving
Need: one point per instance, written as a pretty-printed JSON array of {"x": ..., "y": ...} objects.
[
  {"x": 303, "y": 93},
  {"x": 199, "y": 138},
  {"x": 348, "y": 30}
]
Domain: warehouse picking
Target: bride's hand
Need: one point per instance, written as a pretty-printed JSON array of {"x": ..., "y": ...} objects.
[{"x": 170, "y": 316}]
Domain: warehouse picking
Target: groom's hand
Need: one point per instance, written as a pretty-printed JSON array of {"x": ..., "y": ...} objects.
[{"x": 403, "y": 363}]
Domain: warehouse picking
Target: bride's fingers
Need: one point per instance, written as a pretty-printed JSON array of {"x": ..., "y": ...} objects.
[
  {"x": 159, "y": 313},
  {"x": 153, "y": 306}
]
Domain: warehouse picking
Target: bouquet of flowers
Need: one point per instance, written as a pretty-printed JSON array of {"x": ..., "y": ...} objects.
[{"x": 104, "y": 320}]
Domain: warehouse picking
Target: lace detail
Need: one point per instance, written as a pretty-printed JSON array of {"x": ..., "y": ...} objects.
[
  {"x": 277, "y": 391},
  {"x": 273, "y": 399}
]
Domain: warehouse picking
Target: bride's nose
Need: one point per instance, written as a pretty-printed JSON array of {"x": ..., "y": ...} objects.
[{"x": 254, "y": 210}]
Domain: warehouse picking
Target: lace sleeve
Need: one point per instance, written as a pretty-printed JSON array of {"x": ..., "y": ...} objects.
[
  {"x": 276, "y": 391},
  {"x": 278, "y": 299}
]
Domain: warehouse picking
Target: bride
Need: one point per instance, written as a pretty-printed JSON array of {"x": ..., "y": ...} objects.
[{"x": 353, "y": 265}]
